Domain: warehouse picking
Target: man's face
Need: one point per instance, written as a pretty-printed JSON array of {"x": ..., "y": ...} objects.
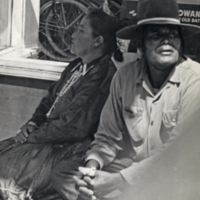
[
  {"x": 83, "y": 39},
  {"x": 163, "y": 45}
]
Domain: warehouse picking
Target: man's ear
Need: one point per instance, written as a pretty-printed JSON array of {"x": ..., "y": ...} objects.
[{"x": 99, "y": 41}]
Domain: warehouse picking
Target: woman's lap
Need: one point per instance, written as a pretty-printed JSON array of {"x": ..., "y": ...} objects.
[
  {"x": 62, "y": 178},
  {"x": 28, "y": 167}
]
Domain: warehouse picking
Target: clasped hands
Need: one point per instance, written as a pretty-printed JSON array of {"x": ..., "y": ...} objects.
[
  {"x": 95, "y": 184},
  {"x": 24, "y": 131}
]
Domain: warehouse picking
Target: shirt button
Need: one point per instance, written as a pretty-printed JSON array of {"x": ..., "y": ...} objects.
[{"x": 152, "y": 123}]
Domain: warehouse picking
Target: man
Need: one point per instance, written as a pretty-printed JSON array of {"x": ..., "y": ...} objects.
[{"x": 149, "y": 101}]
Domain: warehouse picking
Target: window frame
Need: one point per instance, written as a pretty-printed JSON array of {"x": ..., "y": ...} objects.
[
  {"x": 16, "y": 60},
  {"x": 5, "y": 30}
]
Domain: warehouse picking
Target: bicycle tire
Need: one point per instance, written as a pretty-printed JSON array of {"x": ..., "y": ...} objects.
[{"x": 55, "y": 40}]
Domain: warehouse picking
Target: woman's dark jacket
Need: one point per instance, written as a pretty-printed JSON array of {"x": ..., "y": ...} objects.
[{"x": 76, "y": 115}]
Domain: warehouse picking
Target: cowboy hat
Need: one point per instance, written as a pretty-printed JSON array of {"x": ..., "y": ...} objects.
[{"x": 157, "y": 12}]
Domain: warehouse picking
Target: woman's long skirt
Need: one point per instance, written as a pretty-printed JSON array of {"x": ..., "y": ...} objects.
[{"x": 25, "y": 169}]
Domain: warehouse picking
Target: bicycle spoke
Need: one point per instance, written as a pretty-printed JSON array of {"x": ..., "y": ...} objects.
[
  {"x": 51, "y": 25},
  {"x": 70, "y": 25},
  {"x": 63, "y": 13}
]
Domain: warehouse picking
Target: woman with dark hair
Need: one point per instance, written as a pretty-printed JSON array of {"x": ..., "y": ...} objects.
[{"x": 63, "y": 124}]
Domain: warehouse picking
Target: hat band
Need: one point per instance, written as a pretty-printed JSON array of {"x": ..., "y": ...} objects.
[{"x": 159, "y": 20}]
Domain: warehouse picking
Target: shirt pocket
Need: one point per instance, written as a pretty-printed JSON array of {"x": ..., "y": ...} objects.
[
  {"x": 169, "y": 118},
  {"x": 169, "y": 121},
  {"x": 132, "y": 116}
]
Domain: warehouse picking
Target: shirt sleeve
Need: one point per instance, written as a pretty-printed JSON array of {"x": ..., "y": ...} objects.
[
  {"x": 39, "y": 116},
  {"x": 109, "y": 137}
]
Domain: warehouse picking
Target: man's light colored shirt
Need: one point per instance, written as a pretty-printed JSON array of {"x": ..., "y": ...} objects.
[{"x": 134, "y": 112}]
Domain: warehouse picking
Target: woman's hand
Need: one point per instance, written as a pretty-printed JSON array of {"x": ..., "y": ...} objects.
[
  {"x": 24, "y": 131},
  {"x": 103, "y": 183}
]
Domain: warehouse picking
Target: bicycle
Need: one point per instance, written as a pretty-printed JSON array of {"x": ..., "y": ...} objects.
[{"x": 59, "y": 19}]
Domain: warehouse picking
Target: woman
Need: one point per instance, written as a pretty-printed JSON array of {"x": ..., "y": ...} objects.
[{"x": 63, "y": 124}]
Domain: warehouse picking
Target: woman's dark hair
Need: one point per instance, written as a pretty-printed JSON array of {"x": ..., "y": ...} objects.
[
  {"x": 106, "y": 26},
  {"x": 141, "y": 36}
]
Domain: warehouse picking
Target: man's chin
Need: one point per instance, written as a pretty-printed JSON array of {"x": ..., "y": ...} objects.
[
  {"x": 166, "y": 66},
  {"x": 168, "y": 60}
]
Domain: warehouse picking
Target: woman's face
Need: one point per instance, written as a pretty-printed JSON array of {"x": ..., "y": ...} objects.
[
  {"x": 82, "y": 39},
  {"x": 163, "y": 45}
]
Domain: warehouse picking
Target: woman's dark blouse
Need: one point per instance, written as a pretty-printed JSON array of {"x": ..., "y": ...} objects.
[{"x": 76, "y": 115}]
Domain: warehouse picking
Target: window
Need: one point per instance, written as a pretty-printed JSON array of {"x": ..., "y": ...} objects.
[{"x": 19, "y": 25}]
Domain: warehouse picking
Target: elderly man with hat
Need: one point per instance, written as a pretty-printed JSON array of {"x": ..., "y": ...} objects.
[{"x": 149, "y": 101}]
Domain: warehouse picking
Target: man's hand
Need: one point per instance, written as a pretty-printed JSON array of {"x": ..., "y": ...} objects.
[
  {"x": 24, "y": 131},
  {"x": 103, "y": 183}
]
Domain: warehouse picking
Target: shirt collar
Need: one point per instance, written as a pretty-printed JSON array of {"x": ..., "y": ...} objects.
[
  {"x": 142, "y": 72},
  {"x": 87, "y": 67},
  {"x": 94, "y": 61},
  {"x": 174, "y": 76},
  {"x": 84, "y": 69}
]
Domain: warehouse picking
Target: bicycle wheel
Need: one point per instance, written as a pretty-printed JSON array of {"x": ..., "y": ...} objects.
[
  {"x": 115, "y": 7},
  {"x": 58, "y": 20}
]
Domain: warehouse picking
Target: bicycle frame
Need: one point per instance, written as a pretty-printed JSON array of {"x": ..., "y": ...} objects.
[{"x": 56, "y": 26}]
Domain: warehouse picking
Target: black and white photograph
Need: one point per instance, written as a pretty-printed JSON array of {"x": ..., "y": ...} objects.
[{"x": 99, "y": 99}]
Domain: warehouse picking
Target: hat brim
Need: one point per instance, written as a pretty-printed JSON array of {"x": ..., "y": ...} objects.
[{"x": 129, "y": 32}]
